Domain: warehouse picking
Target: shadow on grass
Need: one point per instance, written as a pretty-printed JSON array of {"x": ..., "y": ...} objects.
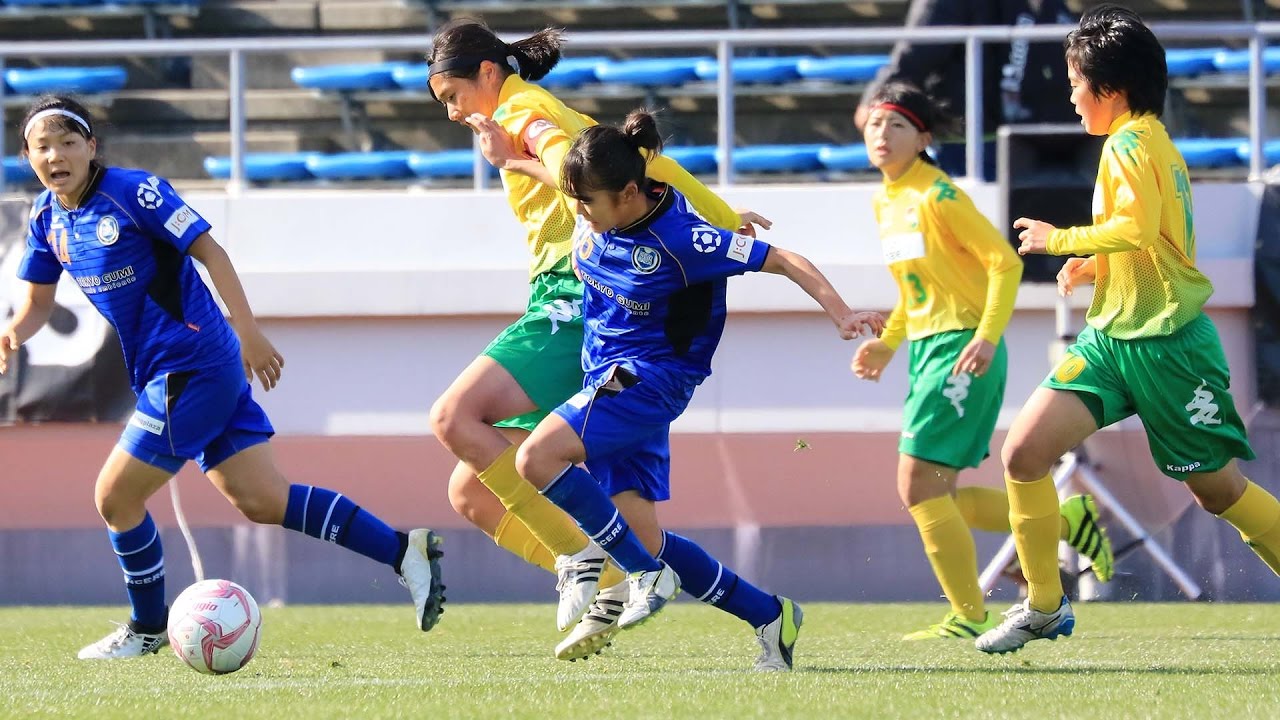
[{"x": 1033, "y": 670}]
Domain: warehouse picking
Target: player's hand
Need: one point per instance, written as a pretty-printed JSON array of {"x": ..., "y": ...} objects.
[
  {"x": 8, "y": 347},
  {"x": 1034, "y": 235},
  {"x": 857, "y": 324},
  {"x": 975, "y": 358},
  {"x": 260, "y": 358},
  {"x": 871, "y": 359},
  {"x": 495, "y": 143},
  {"x": 748, "y": 220},
  {"x": 1076, "y": 271}
]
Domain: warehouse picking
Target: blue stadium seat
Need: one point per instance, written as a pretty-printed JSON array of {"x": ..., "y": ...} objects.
[
  {"x": 384, "y": 165},
  {"x": 360, "y": 76},
  {"x": 1202, "y": 153},
  {"x": 1189, "y": 62},
  {"x": 411, "y": 76},
  {"x": 697, "y": 159},
  {"x": 777, "y": 158},
  {"x": 1237, "y": 61},
  {"x": 151, "y": 2},
  {"x": 843, "y": 68},
  {"x": 33, "y": 81},
  {"x": 446, "y": 164},
  {"x": 754, "y": 70},
  {"x": 1270, "y": 152},
  {"x": 263, "y": 167},
  {"x": 573, "y": 72},
  {"x": 49, "y": 3},
  {"x": 17, "y": 169},
  {"x": 650, "y": 71},
  {"x": 844, "y": 157}
]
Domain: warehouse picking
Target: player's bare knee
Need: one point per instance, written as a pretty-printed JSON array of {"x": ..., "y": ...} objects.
[
  {"x": 536, "y": 462},
  {"x": 444, "y": 412},
  {"x": 1216, "y": 492},
  {"x": 1023, "y": 462},
  {"x": 259, "y": 508}
]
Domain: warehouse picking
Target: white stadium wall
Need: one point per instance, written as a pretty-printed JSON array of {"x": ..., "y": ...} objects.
[{"x": 378, "y": 298}]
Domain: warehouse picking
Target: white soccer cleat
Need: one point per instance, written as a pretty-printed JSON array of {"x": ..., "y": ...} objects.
[
  {"x": 650, "y": 592},
  {"x": 778, "y": 638},
  {"x": 1023, "y": 623},
  {"x": 124, "y": 642},
  {"x": 595, "y": 631},
  {"x": 420, "y": 572},
  {"x": 577, "y": 580}
]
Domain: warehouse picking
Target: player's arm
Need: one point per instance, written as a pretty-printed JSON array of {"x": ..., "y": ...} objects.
[
  {"x": 706, "y": 203},
  {"x": 30, "y": 316},
  {"x": 256, "y": 351},
  {"x": 1134, "y": 222},
  {"x": 541, "y": 146},
  {"x": 975, "y": 233},
  {"x": 800, "y": 271}
]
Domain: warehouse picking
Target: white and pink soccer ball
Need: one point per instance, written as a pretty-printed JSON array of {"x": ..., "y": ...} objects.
[{"x": 214, "y": 626}]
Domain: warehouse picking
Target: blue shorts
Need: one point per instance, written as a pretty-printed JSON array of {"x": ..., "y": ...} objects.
[
  {"x": 625, "y": 421},
  {"x": 202, "y": 415}
]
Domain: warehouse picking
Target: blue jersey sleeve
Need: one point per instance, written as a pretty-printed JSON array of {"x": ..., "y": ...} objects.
[
  {"x": 710, "y": 253},
  {"x": 165, "y": 216},
  {"x": 39, "y": 264}
]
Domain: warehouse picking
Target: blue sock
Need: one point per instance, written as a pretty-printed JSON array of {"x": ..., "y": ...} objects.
[
  {"x": 332, "y": 517},
  {"x": 578, "y": 494},
  {"x": 142, "y": 559},
  {"x": 706, "y": 579}
]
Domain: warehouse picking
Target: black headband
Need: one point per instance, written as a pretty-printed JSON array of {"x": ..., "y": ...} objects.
[{"x": 466, "y": 62}]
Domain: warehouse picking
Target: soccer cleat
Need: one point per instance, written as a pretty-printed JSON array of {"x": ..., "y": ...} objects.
[
  {"x": 778, "y": 638},
  {"x": 649, "y": 593},
  {"x": 1087, "y": 536},
  {"x": 125, "y": 642},
  {"x": 595, "y": 631},
  {"x": 1023, "y": 623},
  {"x": 954, "y": 625},
  {"x": 578, "y": 579},
  {"x": 420, "y": 572}
]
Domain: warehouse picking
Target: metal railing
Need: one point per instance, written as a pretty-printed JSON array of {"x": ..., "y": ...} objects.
[{"x": 725, "y": 43}]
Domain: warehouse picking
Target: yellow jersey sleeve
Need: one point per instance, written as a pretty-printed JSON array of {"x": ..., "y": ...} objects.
[
  {"x": 1127, "y": 177},
  {"x": 895, "y": 328},
  {"x": 975, "y": 234},
  {"x": 707, "y": 204}
]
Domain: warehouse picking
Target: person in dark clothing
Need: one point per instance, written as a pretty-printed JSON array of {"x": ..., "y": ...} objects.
[{"x": 1022, "y": 81}]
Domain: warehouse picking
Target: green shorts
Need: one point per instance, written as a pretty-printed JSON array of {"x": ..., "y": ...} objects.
[
  {"x": 543, "y": 349},
  {"x": 948, "y": 419},
  {"x": 1178, "y": 385}
]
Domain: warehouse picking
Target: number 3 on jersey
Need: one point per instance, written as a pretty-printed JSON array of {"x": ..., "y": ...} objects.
[{"x": 916, "y": 291}]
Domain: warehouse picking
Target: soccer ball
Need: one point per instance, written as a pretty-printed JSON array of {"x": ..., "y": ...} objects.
[{"x": 214, "y": 625}]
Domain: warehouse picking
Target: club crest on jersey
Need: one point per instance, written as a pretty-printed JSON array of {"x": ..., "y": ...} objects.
[
  {"x": 705, "y": 239},
  {"x": 149, "y": 193},
  {"x": 645, "y": 259},
  {"x": 108, "y": 230}
]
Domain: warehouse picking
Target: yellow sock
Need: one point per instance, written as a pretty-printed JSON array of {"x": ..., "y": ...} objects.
[
  {"x": 1036, "y": 524},
  {"x": 987, "y": 509},
  {"x": 949, "y": 546},
  {"x": 513, "y": 536},
  {"x": 1257, "y": 516},
  {"x": 548, "y": 523},
  {"x": 984, "y": 508}
]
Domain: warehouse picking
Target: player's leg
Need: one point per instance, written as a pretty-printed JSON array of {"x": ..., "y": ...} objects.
[
  {"x": 121, "y": 492},
  {"x": 1250, "y": 509},
  {"x": 1051, "y": 423}
]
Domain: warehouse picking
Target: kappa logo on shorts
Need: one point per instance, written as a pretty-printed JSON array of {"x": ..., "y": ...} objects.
[
  {"x": 1069, "y": 369},
  {"x": 560, "y": 310},
  {"x": 957, "y": 391},
  {"x": 1204, "y": 410},
  {"x": 148, "y": 423}
]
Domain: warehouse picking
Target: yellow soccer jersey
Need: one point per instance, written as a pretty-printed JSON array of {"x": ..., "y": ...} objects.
[
  {"x": 954, "y": 270},
  {"x": 1142, "y": 239},
  {"x": 537, "y": 121}
]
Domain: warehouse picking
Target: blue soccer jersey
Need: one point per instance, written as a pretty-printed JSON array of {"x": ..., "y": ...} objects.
[
  {"x": 126, "y": 247},
  {"x": 654, "y": 292}
]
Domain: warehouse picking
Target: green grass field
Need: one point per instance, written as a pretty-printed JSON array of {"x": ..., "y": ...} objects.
[{"x": 1126, "y": 660}]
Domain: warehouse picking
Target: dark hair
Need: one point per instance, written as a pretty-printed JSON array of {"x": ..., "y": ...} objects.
[
  {"x": 471, "y": 41},
  {"x": 62, "y": 122},
  {"x": 604, "y": 157},
  {"x": 922, "y": 111},
  {"x": 1116, "y": 53}
]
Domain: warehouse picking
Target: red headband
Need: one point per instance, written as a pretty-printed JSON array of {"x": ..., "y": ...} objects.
[{"x": 910, "y": 116}]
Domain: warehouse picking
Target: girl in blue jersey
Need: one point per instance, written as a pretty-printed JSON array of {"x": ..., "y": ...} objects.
[
  {"x": 654, "y": 308},
  {"x": 128, "y": 239}
]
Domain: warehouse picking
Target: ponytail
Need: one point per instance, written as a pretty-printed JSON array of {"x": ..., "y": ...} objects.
[{"x": 605, "y": 157}]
